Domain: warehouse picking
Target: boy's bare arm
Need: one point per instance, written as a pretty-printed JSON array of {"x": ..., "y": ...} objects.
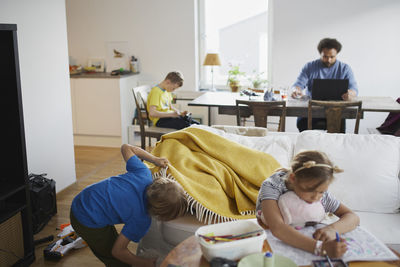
[
  {"x": 153, "y": 112},
  {"x": 129, "y": 151},
  {"x": 121, "y": 252},
  {"x": 180, "y": 113}
]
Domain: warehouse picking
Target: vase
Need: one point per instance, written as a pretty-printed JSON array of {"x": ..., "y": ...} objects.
[
  {"x": 256, "y": 85},
  {"x": 234, "y": 86}
]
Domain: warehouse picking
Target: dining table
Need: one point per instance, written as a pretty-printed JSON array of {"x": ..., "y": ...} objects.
[{"x": 226, "y": 103}]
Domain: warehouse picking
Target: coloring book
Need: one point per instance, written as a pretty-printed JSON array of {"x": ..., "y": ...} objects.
[{"x": 361, "y": 246}]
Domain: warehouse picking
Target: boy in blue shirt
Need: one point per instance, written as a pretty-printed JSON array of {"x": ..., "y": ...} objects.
[
  {"x": 327, "y": 67},
  {"x": 130, "y": 199}
]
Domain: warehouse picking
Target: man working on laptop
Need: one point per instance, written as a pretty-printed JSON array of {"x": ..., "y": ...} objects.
[{"x": 327, "y": 67}]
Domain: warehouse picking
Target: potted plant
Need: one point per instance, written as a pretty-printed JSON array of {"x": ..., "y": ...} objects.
[
  {"x": 234, "y": 77},
  {"x": 257, "y": 80}
]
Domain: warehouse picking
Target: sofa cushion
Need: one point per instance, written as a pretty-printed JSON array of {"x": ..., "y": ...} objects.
[
  {"x": 384, "y": 226},
  {"x": 371, "y": 164}
]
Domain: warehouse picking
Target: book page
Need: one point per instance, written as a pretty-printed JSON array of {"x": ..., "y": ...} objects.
[{"x": 361, "y": 246}]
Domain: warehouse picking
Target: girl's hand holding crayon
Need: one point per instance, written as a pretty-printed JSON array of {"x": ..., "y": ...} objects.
[
  {"x": 325, "y": 234},
  {"x": 334, "y": 249}
]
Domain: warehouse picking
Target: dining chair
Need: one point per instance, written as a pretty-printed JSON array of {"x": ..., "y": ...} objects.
[
  {"x": 145, "y": 129},
  {"x": 260, "y": 110},
  {"x": 144, "y": 91},
  {"x": 334, "y": 114}
]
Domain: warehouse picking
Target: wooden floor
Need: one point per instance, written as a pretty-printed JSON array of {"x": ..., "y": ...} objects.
[{"x": 92, "y": 165}]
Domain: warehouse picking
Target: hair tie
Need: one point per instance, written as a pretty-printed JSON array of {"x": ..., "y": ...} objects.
[
  {"x": 311, "y": 164},
  {"x": 336, "y": 169}
]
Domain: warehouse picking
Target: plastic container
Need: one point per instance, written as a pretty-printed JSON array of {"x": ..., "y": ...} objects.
[
  {"x": 233, "y": 250},
  {"x": 269, "y": 259},
  {"x": 134, "y": 65}
]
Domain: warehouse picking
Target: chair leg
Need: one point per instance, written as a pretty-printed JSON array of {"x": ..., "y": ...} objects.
[
  {"x": 281, "y": 126},
  {"x": 357, "y": 121},
  {"x": 309, "y": 121},
  {"x": 143, "y": 141}
]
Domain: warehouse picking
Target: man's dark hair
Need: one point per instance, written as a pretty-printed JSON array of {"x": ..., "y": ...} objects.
[{"x": 329, "y": 43}]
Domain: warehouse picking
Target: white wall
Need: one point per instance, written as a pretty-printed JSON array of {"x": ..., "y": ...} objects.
[
  {"x": 43, "y": 60},
  {"x": 367, "y": 29},
  {"x": 160, "y": 33}
]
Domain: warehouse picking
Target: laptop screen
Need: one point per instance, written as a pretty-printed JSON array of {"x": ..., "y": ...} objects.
[{"x": 329, "y": 89}]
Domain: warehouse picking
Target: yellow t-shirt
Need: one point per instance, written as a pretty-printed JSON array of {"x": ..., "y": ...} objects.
[{"x": 160, "y": 98}]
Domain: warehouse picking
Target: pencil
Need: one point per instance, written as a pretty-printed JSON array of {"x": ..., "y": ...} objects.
[
  {"x": 329, "y": 260},
  {"x": 337, "y": 237}
]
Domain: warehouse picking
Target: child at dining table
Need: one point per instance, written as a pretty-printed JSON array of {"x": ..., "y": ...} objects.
[
  {"x": 310, "y": 175},
  {"x": 159, "y": 104}
]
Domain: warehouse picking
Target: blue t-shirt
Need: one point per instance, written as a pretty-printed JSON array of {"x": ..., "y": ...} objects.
[
  {"x": 118, "y": 199},
  {"x": 317, "y": 70}
]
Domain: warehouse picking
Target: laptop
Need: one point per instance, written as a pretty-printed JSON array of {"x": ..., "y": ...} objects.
[{"x": 329, "y": 89}]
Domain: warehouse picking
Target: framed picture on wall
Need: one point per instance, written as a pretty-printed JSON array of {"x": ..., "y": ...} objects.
[{"x": 98, "y": 63}]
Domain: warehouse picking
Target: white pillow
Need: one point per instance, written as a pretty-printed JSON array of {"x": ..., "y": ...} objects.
[
  {"x": 278, "y": 146},
  {"x": 371, "y": 164},
  {"x": 242, "y": 130}
]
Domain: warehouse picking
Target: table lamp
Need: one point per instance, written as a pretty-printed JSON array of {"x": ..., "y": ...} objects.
[{"x": 212, "y": 59}]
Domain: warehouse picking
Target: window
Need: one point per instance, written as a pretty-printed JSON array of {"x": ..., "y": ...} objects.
[{"x": 237, "y": 31}]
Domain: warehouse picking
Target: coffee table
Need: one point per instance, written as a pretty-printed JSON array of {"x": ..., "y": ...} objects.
[{"x": 188, "y": 254}]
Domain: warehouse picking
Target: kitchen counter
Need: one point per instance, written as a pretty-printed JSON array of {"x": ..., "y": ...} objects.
[
  {"x": 101, "y": 75},
  {"x": 102, "y": 108}
]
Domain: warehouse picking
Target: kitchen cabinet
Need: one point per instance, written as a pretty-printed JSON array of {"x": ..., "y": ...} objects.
[{"x": 102, "y": 108}]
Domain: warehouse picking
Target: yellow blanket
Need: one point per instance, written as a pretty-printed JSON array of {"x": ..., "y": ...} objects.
[{"x": 221, "y": 177}]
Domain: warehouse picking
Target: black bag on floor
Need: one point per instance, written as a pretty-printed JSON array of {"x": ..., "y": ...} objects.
[{"x": 43, "y": 200}]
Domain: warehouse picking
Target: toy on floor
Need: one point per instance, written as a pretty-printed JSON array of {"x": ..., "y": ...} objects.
[{"x": 68, "y": 240}]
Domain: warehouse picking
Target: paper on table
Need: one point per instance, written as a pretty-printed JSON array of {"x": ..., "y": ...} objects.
[{"x": 361, "y": 246}]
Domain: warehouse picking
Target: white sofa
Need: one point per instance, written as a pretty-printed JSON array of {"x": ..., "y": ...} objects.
[{"x": 369, "y": 184}]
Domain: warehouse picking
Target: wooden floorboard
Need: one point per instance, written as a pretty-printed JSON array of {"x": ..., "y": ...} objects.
[{"x": 93, "y": 164}]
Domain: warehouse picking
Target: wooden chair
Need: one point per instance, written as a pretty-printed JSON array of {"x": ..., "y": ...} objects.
[
  {"x": 144, "y": 90},
  {"x": 334, "y": 114},
  {"x": 260, "y": 110},
  {"x": 146, "y": 130}
]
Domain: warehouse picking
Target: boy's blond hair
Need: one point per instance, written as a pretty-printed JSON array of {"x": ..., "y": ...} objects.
[
  {"x": 175, "y": 77},
  {"x": 166, "y": 199}
]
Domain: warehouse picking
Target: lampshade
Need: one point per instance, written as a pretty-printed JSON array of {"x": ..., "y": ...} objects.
[{"x": 212, "y": 59}]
